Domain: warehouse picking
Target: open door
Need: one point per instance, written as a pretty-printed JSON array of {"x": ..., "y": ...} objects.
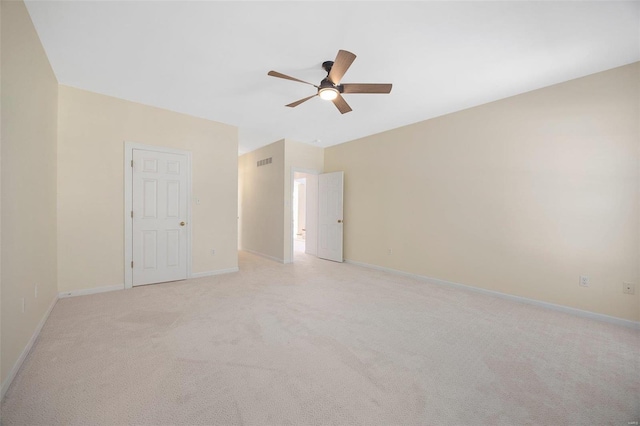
[{"x": 330, "y": 191}]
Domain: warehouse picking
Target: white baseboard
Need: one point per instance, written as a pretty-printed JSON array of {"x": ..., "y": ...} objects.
[
  {"x": 266, "y": 256},
  {"x": 26, "y": 350},
  {"x": 85, "y": 291},
  {"x": 216, "y": 272},
  {"x": 561, "y": 308}
]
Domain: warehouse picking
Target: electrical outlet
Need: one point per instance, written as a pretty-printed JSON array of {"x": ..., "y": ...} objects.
[
  {"x": 584, "y": 281},
  {"x": 628, "y": 288},
  {"x": 213, "y": 251},
  {"x": 390, "y": 251}
]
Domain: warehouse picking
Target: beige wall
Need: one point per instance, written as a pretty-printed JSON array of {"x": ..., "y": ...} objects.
[
  {"x": 262, "y": 201},
  {"x": 301, "y": 157},
  {"x": 92, "y": 129},
  {"x": 29, "y": 113},
  {"x": 520, "y": 196}
]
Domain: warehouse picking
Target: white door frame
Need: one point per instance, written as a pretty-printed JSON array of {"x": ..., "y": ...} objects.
[
  {"x": 128, "y": 205},
  {"x": 295, "y": 170}
]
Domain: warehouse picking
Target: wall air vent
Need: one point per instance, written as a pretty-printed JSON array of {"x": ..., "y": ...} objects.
[{"x": 264, "y": 162}]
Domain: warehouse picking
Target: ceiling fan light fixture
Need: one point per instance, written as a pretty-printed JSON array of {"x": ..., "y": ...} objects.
[{"x": 328, "y": 93}]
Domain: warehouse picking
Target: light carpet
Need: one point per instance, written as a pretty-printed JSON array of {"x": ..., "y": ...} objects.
[{"x": 315, "y": 343}]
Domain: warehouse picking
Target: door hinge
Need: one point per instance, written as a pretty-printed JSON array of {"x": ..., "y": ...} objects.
[
  {"x": 131, "y": 213},
  {"x": 132, "y": 263},
  {"x": 131, "y": 163}
]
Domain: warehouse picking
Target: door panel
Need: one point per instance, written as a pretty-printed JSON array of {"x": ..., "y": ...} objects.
[
  {"x": 150, "y": 198},
  {"x": 173, "y": 247},
  {"x": 330, "y": 202},
  {"x": 159, "y": 208},
  {"x": 173, "y": 199},
  {"x": 150, "y": 249}
]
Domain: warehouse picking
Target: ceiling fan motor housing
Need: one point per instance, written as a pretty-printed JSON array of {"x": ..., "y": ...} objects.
[{"x": 326, "y": 84}]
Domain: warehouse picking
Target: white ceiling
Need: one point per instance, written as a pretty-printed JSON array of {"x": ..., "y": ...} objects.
[{"x": 210, "y": 59}]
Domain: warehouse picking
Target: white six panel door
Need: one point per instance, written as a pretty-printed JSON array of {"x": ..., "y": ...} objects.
[
  {"x": 159, "y": 217},
  {"x": 330, "y": 193}
]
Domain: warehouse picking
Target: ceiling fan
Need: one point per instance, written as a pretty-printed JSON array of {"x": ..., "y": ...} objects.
[{"x": 330, "y": 88}]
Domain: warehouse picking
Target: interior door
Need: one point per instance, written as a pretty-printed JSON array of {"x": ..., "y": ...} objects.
[
  {"x": 330, "y": 229},
  {"x": 159, "y": 217}
]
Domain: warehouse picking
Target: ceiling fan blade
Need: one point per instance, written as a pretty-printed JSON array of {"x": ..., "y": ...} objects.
[
  {"x": 286, "y": 77},
  {"x": 366, "y": 88},
  {"x": 341, "y": 104},
  {"x": 296, "y": 103},
  {"x": 340, "y": 66}
]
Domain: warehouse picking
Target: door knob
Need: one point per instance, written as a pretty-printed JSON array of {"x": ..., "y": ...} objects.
[
  {"x": 182, "y": 223},
  {"x": 339, "y": 220}
]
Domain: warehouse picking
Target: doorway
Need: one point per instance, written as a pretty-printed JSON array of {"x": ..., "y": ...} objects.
[
  {"x": 316, "y": 214},
  {"x": 299, "y": 213},
  {"x": 304, "y": 212}
]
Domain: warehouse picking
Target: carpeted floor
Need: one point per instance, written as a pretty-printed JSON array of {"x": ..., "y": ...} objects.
[{"x": 317, "y": 342}]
